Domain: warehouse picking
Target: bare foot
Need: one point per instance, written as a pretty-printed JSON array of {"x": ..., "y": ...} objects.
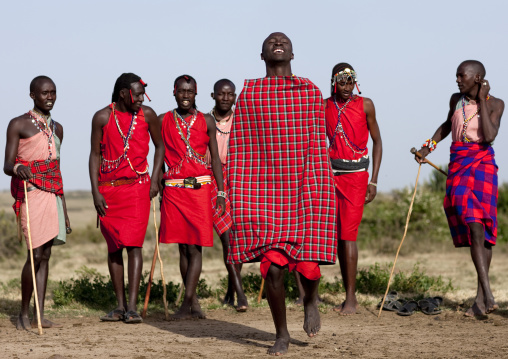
[
  {"x": 23, "y": 323},
  {"x": 229, "y": 299},
  {"x": 184, "y": 313},
  {"x": 475, "y": 310},
  {"x": 490, "y": 305},
  {"x": 312, "y": 322},
  {"x": 348, "y": 308},
  {"x": 243, "y": 304},
  {"x": 280, "y": 347},
  {"x": 46, "y": 324},
  {"x": 196, "y": 310},
  {"x": 339, "y": 307}
]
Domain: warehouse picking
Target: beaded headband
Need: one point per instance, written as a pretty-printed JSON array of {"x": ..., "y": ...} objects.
[{"x": 345, "y": 75}]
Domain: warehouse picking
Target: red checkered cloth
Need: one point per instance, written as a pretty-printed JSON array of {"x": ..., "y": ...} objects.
[
  {"x": 280, "y": 179},
  {"x": 46, "y": 177},
  {"x": 471, "y": 191},
  {"x": 221, "y": 223}
]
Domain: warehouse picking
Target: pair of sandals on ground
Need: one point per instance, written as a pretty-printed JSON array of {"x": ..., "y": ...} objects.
[
  {"x": 429, "y": 306},
  {"x": 116, "y": 315}
]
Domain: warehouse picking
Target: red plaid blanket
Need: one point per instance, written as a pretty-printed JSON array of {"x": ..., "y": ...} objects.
[
  {"x": 280, "y": 180},
  {"x": 47, "y": 177},
  {"x": 471, "y": 191},
  {"x": 221, "y": 223}
]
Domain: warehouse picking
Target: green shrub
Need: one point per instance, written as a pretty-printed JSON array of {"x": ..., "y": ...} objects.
[{"x": 9, "y": 243}]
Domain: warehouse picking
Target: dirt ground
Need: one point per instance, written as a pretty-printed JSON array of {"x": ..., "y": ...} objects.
[{"x": 228, "y": 334}]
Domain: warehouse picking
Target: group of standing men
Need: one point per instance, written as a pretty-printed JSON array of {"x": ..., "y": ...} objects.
[{"x": 259, "y": 174}]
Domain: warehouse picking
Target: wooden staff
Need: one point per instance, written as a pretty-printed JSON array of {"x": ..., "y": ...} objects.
[
  {"x": 182, "y": 287},
  {"x": 37, "y": 309},
  {"x": 419, "y": 155},
  {"x": 156, "y": 255},
  {"x": 261, "y": 290},
  {"x": 402, "y": 241}
]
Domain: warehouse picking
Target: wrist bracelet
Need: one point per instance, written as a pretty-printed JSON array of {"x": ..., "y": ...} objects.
[
  {"x": 374, "y": 184},
  {"x": 431, "y": 144},
  {"x": 221, "y": 194},
  {"x": 15, "y": 168}
]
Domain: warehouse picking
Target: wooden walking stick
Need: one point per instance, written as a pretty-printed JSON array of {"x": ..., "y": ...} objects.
[
  {"x": 37, "y": 309},
  {"x": 415, "y": 152},
  {"x": 154, "y": 260},
  {"x": 402, "y": 241},
  {"x": 261, "y": 290}
]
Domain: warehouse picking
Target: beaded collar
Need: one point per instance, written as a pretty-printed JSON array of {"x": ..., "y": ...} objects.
[
  {"x": 43, "y": 124},
  {"x": 221, "y": 132}
]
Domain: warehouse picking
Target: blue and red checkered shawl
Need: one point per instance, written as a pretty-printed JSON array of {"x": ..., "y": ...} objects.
[
  {"x": 471, "y": 191},
  {"x": 46, "y": 177},
  {"x": 280, "y": 180}
]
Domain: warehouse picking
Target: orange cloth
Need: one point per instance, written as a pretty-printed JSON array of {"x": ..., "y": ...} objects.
[
  {"x": 41, "y": 204},
  {"x": 309, "y": 270}
]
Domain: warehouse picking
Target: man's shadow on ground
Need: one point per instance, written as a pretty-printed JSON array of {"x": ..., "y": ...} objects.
[{"x": 218, "y": 329}]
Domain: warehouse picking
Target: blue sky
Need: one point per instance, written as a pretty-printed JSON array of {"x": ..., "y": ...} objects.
[{"x": 406, "y": 54}]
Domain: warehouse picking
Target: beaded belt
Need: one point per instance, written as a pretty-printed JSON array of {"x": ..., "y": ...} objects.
[
  {"x": 116, "y": 183},
  {"x": 189, "y": 182}
]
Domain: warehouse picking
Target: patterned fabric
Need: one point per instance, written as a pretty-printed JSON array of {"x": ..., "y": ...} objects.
[
  {"x": 46, "y": 177},
  {"x": 221, "y": 224},
  {"x": 471, "y": 191},
  {"x": 280, "y": 180}
]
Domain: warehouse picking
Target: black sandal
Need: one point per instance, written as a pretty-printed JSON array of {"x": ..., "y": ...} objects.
[
  {"x": 430, "y": 306},
  {"x": 408, "y": 309},
  {"x": 115, "y": 315},
  {"x": 131, "y": 317}
]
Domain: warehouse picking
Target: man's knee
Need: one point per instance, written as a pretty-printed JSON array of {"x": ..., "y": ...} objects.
[{"x": 477, "y": 233}]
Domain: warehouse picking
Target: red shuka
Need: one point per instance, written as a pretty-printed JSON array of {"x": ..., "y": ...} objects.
[
  {"x": 350, "y": 188},
  {"x": 186, "y": 214},
  {"x": 279, "y": 174},
  {"x": 126, "y": 219}
]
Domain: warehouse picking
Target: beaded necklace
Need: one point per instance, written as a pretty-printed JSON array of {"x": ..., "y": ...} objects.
[
  {"x": 221, "y": 132},
  {"x": 340, "y": 130},
  {"x": 112, "y": 165},
  {"x": 467, "y": 120},
  {"x": 191, "y": 153},
  {"x": 38, "y": 120}
]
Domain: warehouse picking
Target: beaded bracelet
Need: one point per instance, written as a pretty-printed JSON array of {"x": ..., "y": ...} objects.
[
  {"x": 374, "y": 184},
  {"x": 431, "y": 144},
  {"x": 221, "y": 194}
]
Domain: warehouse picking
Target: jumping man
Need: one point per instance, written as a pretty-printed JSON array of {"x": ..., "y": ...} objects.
[{"x": 281, "y": 186}]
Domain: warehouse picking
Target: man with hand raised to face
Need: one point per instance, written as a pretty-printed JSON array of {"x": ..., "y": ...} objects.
[
  {"x": 121, "y": 185},
  {"x": 349, "y": 121},
  {"x": 470, "y": 202},
  {"x": 224, "y": 96},
  {"x": 280, "y": 184},
  {"x": 186, "y": 214},
  {"x": 32, "y": 154}
]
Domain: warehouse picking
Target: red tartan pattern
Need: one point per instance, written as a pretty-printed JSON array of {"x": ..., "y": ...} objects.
[
  {"x": 46, "y": 177},
  {"x": 221, "y": 224},
  {"x": 471, "y": 191},
  {"x": 279, "y": 174}
]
